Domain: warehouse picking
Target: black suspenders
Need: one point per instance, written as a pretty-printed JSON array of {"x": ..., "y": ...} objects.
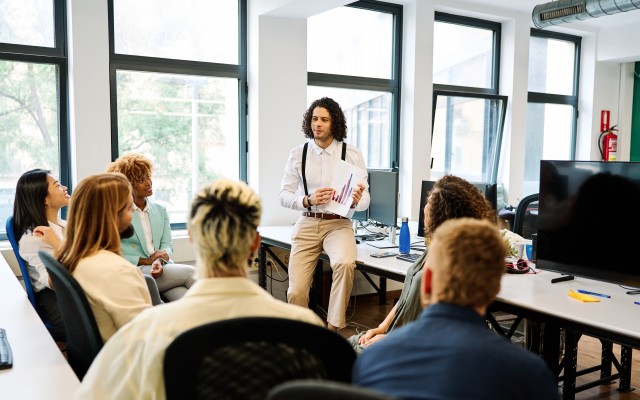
[{"x": 304, "y": 165}]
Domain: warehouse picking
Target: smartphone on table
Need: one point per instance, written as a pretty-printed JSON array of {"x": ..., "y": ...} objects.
[{"x": 384, "y": 254}]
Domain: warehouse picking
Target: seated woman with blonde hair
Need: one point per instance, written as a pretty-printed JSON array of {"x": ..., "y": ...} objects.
[{"x": 99, "y": 216}]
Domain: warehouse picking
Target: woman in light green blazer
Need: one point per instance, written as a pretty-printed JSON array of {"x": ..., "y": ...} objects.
[{"x": 150, "y": 247}]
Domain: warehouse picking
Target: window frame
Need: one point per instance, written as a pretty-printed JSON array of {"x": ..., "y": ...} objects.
[
  {"x": 56, "y": 55},
  {"x": 496, "y": 28},
  {"x": 499, "y": 131},
  {"x": 391, "y": 86},
  {"x": 491, "y": 93},
  {"x": 570, "y": 100},
  {"x": 184, "y": 67}
]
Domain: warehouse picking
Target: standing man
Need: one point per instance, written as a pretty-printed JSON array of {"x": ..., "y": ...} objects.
[{"x": 306, "y": 186}]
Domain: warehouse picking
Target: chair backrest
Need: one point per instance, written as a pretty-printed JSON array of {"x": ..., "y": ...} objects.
[
  {"x": 244, "y": 358},
  {"x": 83, "y": 337},
  {"x": 526, "y": 220},
  {"x": 22, "y": 263},
  {"x": 309, "y": 389}
]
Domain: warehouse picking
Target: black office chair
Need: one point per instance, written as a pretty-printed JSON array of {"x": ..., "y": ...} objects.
[
  {"x": 25, "y": 272},
  {"x": 83, "y": 337},
  {"x": 526, "y": 220},
  {"x": 244, "y": 358},
  {"x": 309, "y": 389}
]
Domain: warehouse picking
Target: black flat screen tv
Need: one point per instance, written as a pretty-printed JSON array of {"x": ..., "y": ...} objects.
[
  {"x": 588, "y": 219},
  {"x": 490, "y": 191}
]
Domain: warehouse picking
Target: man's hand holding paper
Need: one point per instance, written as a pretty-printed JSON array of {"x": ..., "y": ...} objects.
[{"x": 348, "y": 184}]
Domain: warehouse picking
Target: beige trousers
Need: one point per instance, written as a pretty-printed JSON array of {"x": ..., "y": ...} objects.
[{"x": 309, "y": 238}]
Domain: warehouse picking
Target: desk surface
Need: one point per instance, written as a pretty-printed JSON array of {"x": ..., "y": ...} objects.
[
  {"x": 617, "y": 314},
  {"x": 39, "y": 371},
  {"x": 281, "y": 235}
]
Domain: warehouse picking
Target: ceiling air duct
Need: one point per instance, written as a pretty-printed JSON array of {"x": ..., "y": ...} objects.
[{"x": 564, "y": 11}]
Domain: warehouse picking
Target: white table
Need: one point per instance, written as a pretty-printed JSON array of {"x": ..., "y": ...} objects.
[
  {"x": 39, "y": 371},
  {"x": 612, "y": 320}
]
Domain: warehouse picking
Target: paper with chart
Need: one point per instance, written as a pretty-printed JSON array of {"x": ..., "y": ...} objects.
[{"x": 345, "y": 180}]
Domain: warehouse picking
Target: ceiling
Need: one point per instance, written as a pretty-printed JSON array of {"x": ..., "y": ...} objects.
[{"x": 618, "y": 19}]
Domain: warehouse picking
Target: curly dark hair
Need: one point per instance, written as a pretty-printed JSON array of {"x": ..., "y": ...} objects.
[
  {"x": 454, "y": 197},
  {"x": 338, "y": 121}
]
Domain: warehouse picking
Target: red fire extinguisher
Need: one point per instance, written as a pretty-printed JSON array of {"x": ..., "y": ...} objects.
[{"x": 608, "y": 144}]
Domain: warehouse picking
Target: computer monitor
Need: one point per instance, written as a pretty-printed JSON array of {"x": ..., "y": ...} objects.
[
  {"x": 588, "y": 219},
  {"x": 424, "y": 192},
  {"x": 490, "y": 191},
  {"x": 360, "y": 215},
  {"x": 383, "y": 188}
]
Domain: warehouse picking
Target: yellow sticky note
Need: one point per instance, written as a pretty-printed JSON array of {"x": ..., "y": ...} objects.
[{"x": 582, "y": 297}]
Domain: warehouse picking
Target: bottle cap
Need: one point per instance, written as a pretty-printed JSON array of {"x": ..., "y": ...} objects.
[{"x": 405, "y": 219}]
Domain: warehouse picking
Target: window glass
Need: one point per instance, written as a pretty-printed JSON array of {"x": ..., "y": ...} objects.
[
  {"x": 466, "y": 134},
  {"x": 368, "y": 120},
  {"x": 27, "y": 22},
  {"x": 351, "y": 41},
  {"x": 552, "y": 102},
  {"x": 185, "y": 116},
  {"x": 462, "y": 55},
  {"x": 551, "y": 66},
  {"x": 548, "y": 137},
  {"x": 360, "y": 72},
  {"x": 188, "y": 127},
  {"x": 33, "y": 95},
  {"x": 197, "y": 30}
]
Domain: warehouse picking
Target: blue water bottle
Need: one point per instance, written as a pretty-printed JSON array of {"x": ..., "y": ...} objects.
[{"x": 405, "y": 237}]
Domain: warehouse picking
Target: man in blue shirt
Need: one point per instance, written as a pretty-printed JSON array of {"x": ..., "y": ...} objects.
[{"x": 448, "y": 352}]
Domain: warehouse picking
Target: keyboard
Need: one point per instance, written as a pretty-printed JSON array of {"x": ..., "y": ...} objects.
[
  {"x": 6, "y": 358},
  {"x": 411, "y": 257}
]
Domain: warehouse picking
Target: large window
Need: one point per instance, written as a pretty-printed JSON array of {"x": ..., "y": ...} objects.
[
  {"x": 468, "y": 113},
  {"x": 178, "y": 89},
  {"x": 33, "y": 94},
  {"x": 357, "y": 63},
  {"x": 552, "y": 111}
]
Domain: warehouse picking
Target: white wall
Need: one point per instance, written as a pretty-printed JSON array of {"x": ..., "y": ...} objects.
[{"x": 90, "y": 122}]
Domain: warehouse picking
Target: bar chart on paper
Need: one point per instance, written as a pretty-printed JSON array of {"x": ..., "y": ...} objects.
[
  {"x": 345, "y": 192},
  {"x": 345, "y": 180}
]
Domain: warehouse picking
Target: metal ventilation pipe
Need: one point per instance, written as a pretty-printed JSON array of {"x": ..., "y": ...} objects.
[{"x": 564, "y": 11}]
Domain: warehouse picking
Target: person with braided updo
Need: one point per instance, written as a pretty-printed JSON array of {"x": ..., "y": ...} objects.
[{"x": 223, "y": 225}]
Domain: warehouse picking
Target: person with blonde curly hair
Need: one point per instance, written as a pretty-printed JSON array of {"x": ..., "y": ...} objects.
[
  {"x": 100, "y": 215},
  {"x": 223, "y": 225},
  {"x": 451, "y": 197},
  {"x": 450, "y": 338},
  {"x": 150, "y": 247}
]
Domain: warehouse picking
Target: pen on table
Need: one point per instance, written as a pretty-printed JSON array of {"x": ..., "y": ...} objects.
[
  {"x": 593, "y": 293},
  {"x": 636, "y": 302}
]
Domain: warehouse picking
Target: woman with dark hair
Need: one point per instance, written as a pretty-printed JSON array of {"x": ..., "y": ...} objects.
[
  {"x": 38, "y": 226},
  {"x": 451, "y": 197}
]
